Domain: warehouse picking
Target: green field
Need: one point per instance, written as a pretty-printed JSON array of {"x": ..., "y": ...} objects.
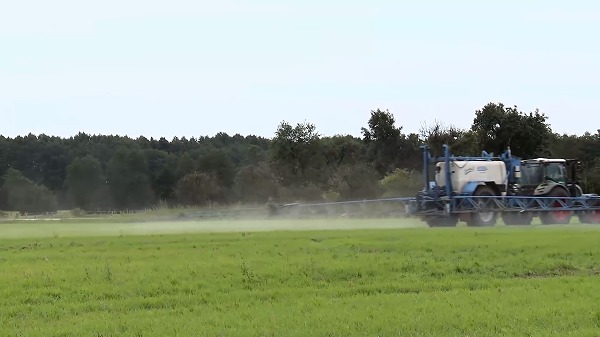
[{"x": 183, "y": 279}]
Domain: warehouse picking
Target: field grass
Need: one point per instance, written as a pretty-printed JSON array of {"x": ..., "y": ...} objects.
[{"x": 535, "y": 281}]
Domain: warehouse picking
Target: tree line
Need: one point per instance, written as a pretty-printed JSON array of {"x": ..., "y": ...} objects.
[{"x": 99, "y": 172}]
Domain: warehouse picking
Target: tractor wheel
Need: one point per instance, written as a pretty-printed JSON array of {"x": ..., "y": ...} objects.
[
  {"x": 485, "y": 218},
  {"x": 517, "y": 218},
  {"x": 448, "y": 221},
  {"x": 590, "y": 217},
  {"x": 560, "y": 217}
]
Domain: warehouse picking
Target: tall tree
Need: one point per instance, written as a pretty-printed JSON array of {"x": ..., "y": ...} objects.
[
  {"x": 355, "y": 181},
  {"x": 162, "y": 169},
  {"x": 198, "y": 189},
  {"x": 296, "y": 154},
  {"x": 220, "y": 165},
  {"x": 256, "y": 184},
  {"x": 21, "y": 194},
  {"x": 461, "y": 142},
  {"x": 129, "y": 179},
  {"x": 591, "y": 177},
  {"x": 402, "y": 182},
  {"x": 383, "y": 138},
  {"x": 85, "y": 182},
  {"x": 498, "y": 127},
  {"x": 343, "y": 150},
  {"x": 185, "y": 165}
]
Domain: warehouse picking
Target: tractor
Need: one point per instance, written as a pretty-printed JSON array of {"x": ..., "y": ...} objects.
[
  {"x": 543, "y": 177},
  {"x": 478, "y": 190}
]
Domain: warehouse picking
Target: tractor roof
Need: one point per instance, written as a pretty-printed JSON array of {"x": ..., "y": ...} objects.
[{"x": 547, "y": 160}]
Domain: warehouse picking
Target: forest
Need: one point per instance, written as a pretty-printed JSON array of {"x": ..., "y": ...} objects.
[{"x": 103, "y": 172}]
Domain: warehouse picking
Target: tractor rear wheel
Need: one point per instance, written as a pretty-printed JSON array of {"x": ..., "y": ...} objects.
[
  {"x": 560, "y": 217},
  {"x": 517, "y": 218},
  {"x": 487, "y": 217},
  {"x": 590, "y": 217}
]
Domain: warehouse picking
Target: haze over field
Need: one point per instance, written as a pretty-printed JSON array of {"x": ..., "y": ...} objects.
[
  {"x": 112, "y": 227},
  {"x": 190, "y": 68}
]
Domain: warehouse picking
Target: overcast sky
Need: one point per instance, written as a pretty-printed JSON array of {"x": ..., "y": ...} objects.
[{"x": 193, "y": 68}]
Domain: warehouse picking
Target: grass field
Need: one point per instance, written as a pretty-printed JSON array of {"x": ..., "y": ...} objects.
[{"x": 107, "y": 279}]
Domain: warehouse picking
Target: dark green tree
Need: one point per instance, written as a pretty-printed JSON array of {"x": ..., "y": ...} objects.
[
  {"x": 498, "y": 127},
  {"x": 410, "y": 156},
  {"x": 162, "y": 169},
  {"x": 589, "y": 148},
  {"x": 129, "y": 179},
  {"x": 256, "y": 184},
  {"x": 86, "y": 183},
  {"x": 461, "y": 142},
  {"x": 568, "y": 146},
  {"x": 591, "y": 177},
  {"x": 23, "y": 195},
  {"x": 401, "y": 183},
  {"x": 384, "y": 140},
  {"x": 220, "y": 165},
  {"x": 343, "y": 150},
  {"x": 198, "y": 189},
  {"x": 355, "y": 181},
  {"x": 296, "y": 154},
  {"x": 185, "y": 165}
]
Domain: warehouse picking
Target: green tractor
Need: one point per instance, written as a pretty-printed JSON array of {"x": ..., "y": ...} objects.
[{"x": 543, "y": 177}]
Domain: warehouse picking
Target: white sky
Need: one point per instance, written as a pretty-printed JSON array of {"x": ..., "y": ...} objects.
[{"x": 193, "y": 68}]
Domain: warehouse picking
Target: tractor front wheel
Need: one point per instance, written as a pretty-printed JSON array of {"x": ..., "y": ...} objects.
[{"x": 560, "y": 217}]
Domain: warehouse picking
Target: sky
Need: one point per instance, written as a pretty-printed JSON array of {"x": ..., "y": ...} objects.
[{"x": 195, "y": 68}]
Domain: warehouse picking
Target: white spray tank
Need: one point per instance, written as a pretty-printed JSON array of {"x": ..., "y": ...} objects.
[{"x": 478, "y": 170}]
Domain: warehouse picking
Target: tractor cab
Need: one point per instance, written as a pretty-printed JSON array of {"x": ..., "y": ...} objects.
[
  {"x": 539, "y": 176},
  {"x": 537, "y": 171}
]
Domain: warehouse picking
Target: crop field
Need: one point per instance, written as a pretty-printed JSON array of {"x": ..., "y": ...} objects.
[{"x": 297, "y": 278}]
